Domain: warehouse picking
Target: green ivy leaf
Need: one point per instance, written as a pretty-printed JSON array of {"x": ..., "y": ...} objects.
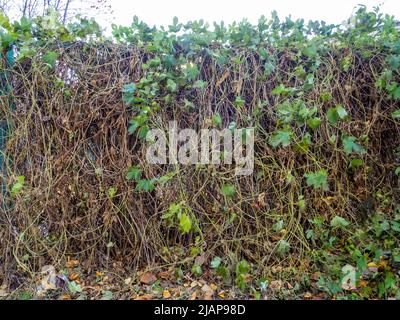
[
  {"x": 216, "y": 119},
  {"x": 129, "y": 88},
  {"x": 242, "y": 267},
  {"x": 350, "y": 145},
  {"x": 314, "y": 122},
  {"x": 216, "y": 262},
  {"x": 339, "y": 222},
  {"x": 112, "y": 192},
  {"x": 74, "y": 287},
  {"x": 334, "y": 114},
  {"x": 134, "y": 172},
  {"x": 50, "y": 58},
  {"x": 239, "y": 102},
  {"x": 228, "y": 190},
  {"x": 200, "y": 84},
  {"x": 393, "y": 61},
  {"x": 355, "y": 163},
  {"x": 282, "y": 247},
  {"x": 185, "y": 223},
  {"x": 146, "y": 185},
  {"x": 281, "y": 137},
  {"x": 317, "y": 180},
  {"x": 310, "y": 51},
  {"x": 396, "y": 114},
  {"x": 281, "y": 89},
  {"x": 191, "y": 72},
  {"x": 17, "y": 187},
  {"x": 171, "y": 85},
  {"x": 196, "y": 270}
]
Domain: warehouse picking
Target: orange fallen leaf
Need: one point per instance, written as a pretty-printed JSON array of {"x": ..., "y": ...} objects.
[
  {"x": 166, "y": 294},
  {"x": 164, "y": 275},
  {"x": 193, "y": 296},
  {"x": 363, "y": 283},
  {"x": 148, "y": 278},
  {"x": 144, "y": 297},
  {"x": 71, "y": 263},
  {"x": 74, "y": 276}
]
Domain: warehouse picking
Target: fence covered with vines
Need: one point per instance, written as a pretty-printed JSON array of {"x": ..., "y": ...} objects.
[{"x": 76, "y": 106}]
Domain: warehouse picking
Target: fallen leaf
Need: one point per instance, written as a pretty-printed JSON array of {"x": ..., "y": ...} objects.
[
  {"x": 261, "y": 199},
  {"x": 74, "y": 276},
  {"x": 99, "y": 274},
  {"x": 71, "y": 263},
  {"x": 144, "y": 297},
  {"x": 166, "y": 294},
  {"x": 363, "y": 283},
  {"x": 193, "y": 296},
  {"x": 276, "y": 285},
  {"x": 148, "y": 278},
  {"x": 166, "y": 275},
  {"x": 3, "y": 293},
  {"x": 208, "y": 292}
]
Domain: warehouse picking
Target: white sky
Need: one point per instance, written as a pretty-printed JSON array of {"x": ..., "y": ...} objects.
[{"x": 161, "y": 12}]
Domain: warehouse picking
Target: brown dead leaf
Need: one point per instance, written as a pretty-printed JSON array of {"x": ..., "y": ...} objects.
[
  {"x": 144, "y": 297},
  {"x": 261, "y": 199},
  {"x": 3, "y": 293},
  {"x": 71, "y": 263},
  {"x": 193, "y": 296},
  {"x": 165, "y": 275},
  {"x": 208, "y": 292},
  {"x": 276, "y": 285},
  {"x": 148, "y": 278},
  {"x": 222, "y": 79},
  {"x": 74, "y": 276},
  {"x": 277, "y": 269}
]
